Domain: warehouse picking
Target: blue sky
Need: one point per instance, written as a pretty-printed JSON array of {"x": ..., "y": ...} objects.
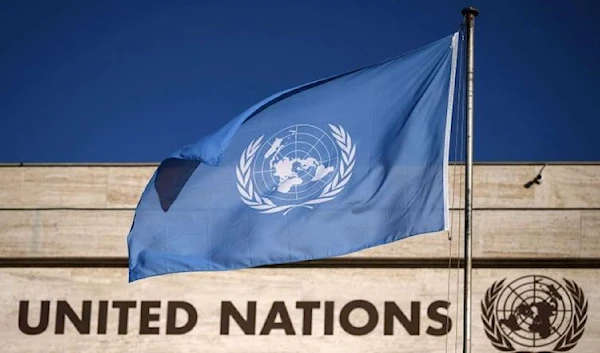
[{"x": 133, "y": 81}]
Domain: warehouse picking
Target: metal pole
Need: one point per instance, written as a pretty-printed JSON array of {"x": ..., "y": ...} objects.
[{"x": 469, "y": 13}]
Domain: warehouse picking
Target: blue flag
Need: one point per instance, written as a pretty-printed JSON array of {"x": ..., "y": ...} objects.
[{"x": 324, "y": 169}]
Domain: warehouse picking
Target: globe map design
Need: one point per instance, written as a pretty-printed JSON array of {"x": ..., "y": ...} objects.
[
  {"x": 534, "y": 311},
  {"x": 295, "y": 163}
]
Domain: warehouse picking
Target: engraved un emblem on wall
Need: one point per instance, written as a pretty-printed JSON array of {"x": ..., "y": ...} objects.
[
  {"x": 299, "y": 166},
  {"x": 534, "y": 314}
]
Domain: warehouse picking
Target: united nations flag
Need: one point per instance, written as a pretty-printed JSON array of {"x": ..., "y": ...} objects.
[{"x": 324, "y": 169}]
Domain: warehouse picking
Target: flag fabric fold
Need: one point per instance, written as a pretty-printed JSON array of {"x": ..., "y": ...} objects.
[{"x": 324, "y": 169}]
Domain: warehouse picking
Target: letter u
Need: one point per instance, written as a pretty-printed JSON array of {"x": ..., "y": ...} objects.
[{"x": 24, "y": 318}]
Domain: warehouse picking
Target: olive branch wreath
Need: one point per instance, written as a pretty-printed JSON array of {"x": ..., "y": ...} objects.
[
  {"x": 490, "y": 325},
  {"x": 251, "y": 197},
  {"x": 567, "y": 342}
]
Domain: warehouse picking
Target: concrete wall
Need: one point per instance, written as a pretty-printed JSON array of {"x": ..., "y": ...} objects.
[{"x": 64, "y": 279}]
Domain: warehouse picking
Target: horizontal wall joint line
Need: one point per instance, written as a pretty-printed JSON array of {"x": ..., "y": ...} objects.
[
  {"x": 451, "y": 209},
  {"x": 156, "y": 163},
  {"x": 406, "y": 263}
]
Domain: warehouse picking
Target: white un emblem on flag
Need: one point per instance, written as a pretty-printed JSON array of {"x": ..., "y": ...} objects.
[{"x": 299, "y": 166}]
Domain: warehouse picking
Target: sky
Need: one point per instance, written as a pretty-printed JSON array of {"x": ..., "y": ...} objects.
[{"x": 133, "y": 81}]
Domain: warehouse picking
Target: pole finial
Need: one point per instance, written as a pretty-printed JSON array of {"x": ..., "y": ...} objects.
[{"x": 470, "y": 11}]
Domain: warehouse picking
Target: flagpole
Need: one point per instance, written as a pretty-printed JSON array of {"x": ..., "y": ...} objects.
[{"x": 469, "y": 13}]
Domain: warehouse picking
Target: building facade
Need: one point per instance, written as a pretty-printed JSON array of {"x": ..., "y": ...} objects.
[{"x": 536, "y": 285}]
